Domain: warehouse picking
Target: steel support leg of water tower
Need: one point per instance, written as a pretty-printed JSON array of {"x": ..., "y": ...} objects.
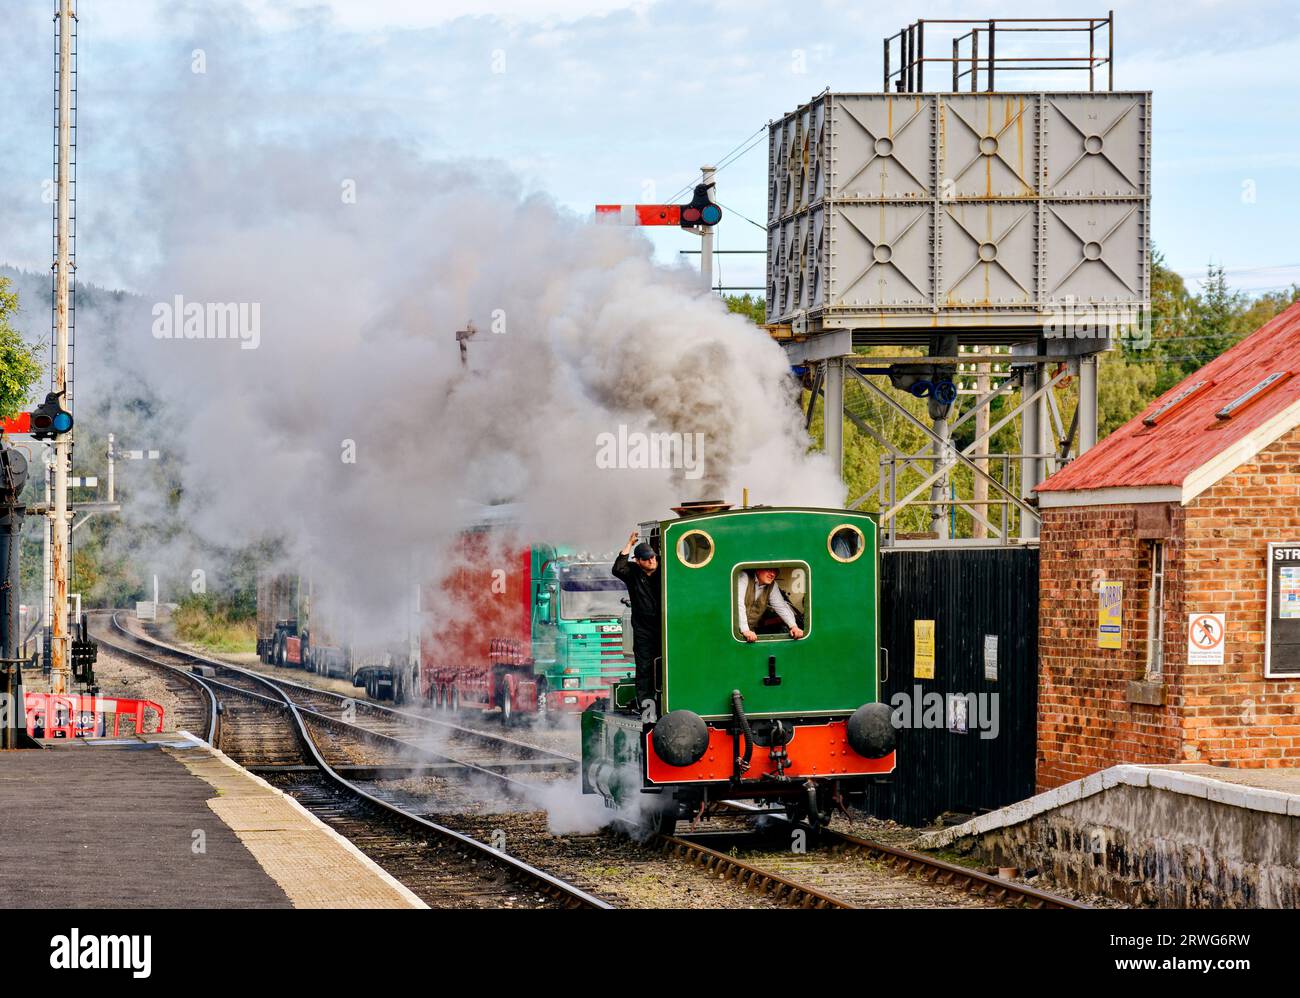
[
  {"x": 1031, "y": 445},
  {"x": 830, "y": 349},
  {"x": 1087, "y": 402},
  {"x": 833, "y": 414},
  {"x": 939, "y": 490},
  {"x": 919, "y": 459}
]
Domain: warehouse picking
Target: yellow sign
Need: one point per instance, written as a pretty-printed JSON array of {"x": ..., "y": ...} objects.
[
  {"x": 1110, "y": 615},
  {"x": 923, "y": 633}
]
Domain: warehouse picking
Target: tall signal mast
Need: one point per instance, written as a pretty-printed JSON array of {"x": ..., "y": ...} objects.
[{"x": 64, "y": 233}]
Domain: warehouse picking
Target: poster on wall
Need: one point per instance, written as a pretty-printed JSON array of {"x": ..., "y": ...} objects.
[
  {"x": 1288, "y": 592},
  {"x": 1282, "y": 617},
  {"x": 1110, "y": 615},
  {"x": 958, "y": 713},
  {"x": 923, "y": 661}
]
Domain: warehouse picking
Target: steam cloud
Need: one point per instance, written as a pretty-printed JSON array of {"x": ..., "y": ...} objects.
[
  {"x": 352, "y": 431},
  {"x": 355, "y": 432}
]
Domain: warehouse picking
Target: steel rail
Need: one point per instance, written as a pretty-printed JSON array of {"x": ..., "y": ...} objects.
[
  {"x": 405, "y": 748},
  {"x": 570, "y": 895},
  {"x": 474, "y": 734},
  {"x": 213, "y": 735},
  {"x": 554, "y": 887},
  {"x": 779, "y": 888},
  {"x": 906, "y": 862},
  {"x": 909, "y": 863},
  {"x": 280, "y": 701}
]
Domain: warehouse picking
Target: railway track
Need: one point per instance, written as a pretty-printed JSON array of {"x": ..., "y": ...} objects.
[
  {"x": 345, "y": 729},
  {"x": 778, "y": 885},
  {"x": 848, "y": 871},
  {"x": 264, "y": 729},
  {"x": 357, "y": 740},
  {"x": 630, "y": 873},
  {"x": 472, "y": 747},
  {"x": 429, "y": 741},
  {"x": 196, "y": 705}
]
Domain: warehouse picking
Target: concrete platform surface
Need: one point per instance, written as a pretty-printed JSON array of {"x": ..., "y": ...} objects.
[
  {"x": 1282, "y": 779},
  {"x": 165, "y": 821}
]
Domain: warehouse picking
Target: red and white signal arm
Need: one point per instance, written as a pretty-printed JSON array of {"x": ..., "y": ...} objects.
[
  {"x": 639, "y": 214},
  {"x": 701, "y": 212},
  {"x": 20, "y": 424},
  {"x": 1282, "y": 613}
]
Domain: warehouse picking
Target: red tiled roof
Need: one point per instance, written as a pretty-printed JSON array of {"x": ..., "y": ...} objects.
[{"x": 1189, "y": 435}]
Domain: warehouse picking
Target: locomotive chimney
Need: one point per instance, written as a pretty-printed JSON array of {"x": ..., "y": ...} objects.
[{"x": 694, "y": 507}]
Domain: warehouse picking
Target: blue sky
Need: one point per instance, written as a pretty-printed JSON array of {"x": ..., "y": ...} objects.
[{"x": 602, "y": 100}]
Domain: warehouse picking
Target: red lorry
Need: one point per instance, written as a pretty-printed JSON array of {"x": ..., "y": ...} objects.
[{"x": 523, "y": 629}]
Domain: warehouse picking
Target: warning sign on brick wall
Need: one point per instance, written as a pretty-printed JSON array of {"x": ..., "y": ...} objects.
[{"x": 1205, "y": 638}]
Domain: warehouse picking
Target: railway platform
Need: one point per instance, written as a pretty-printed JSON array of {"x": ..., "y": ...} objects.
[
  {"x": 1172, "y": 836},
  {"x": 165, "y": 820}
]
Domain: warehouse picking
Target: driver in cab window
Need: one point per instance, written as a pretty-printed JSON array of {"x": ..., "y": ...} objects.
[{"x": 761, "y": 607}]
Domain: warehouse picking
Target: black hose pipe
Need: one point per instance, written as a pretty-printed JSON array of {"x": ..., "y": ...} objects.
[{"x": 746, "y": 733}]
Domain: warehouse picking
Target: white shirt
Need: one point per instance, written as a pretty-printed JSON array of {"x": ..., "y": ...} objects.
[{"x": 776, "y": 601}]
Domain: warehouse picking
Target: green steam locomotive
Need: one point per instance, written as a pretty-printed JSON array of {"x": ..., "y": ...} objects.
[{"x": 767, "y": 688}]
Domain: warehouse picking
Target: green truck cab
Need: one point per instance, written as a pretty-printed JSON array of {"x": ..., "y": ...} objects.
[{"x": 577, "y": 627}]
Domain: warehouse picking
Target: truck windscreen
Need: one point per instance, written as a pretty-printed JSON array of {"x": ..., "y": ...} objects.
[{"x": 585, "y": 594}]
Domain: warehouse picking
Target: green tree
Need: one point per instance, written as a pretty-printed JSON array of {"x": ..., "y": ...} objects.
[
  {"x": 1218, "y": 318},
  {"x": 1171, "y": 305},
  {"x": 1124, "y": 388},
  {"x": 19, "y": 367},
  {"x": 752, "y": 307},
  {"x": 1173, "y": 320},
  {"x": 1265, "y": 307}
]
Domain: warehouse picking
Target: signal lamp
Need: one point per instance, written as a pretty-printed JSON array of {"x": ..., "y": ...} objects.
[
  {"x": 50, "y": 419},
  {"x": 700, "y": 210}
]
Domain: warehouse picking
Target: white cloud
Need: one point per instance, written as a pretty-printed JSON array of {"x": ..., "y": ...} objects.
[
  {"x": 1252, "y": 280},
  {"x": 141, "y": 18},
  {"x": 600, "y": 96}
]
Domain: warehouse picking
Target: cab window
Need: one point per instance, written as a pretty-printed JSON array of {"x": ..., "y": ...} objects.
[
  {"x": 589, "y": 591},
  {"x": 755, "y": 608}
]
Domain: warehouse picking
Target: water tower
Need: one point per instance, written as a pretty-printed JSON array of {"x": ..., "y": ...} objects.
[{"x": 973, "y": 247}]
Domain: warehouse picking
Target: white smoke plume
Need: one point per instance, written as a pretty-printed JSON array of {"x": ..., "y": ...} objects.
[
  {"x": 571, "y": 812},
  {"x": 354, "y": 431}
]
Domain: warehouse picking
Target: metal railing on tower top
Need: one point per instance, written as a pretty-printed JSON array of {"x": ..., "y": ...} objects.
[{"x": 976, "y": 60}]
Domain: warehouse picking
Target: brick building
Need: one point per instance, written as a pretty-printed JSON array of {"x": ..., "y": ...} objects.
[{"x": 1179, "y": 507}]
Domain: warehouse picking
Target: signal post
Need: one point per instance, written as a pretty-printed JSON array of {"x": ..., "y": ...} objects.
[{"x": 699, "y": 215}]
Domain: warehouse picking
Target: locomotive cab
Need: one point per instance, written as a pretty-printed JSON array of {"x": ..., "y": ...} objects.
[{"x": 768, "y": 686}]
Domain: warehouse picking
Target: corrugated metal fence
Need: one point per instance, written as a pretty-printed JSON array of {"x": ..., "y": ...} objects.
[{"x": 969, "y": 738}]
